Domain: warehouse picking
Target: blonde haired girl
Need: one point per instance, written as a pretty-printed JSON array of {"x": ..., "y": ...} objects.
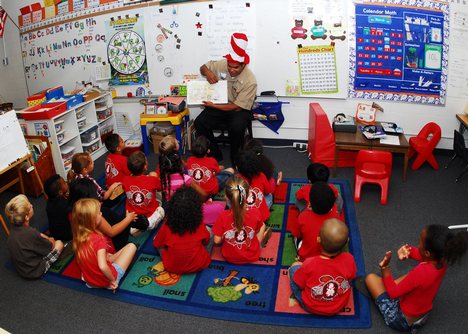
[{"x": 100, "y": 268}]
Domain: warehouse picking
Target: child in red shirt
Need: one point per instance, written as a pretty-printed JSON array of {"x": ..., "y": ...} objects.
[
  {"x": 184, "y": 243},
  {"x": 100, "y": 268},
  {"x": 249, "y": 169},
  {"x": 141, "y": 190},
  {"x": 405, "y": 303},
  {"x": 307, "y": 228},
  {"x": 240, "y": 229},
  {"x": 116, "y": 163},
  {"x": 317, "y": 172},
  {"x": 205, "y": 170},
  {"x": 322, "y": 284}
]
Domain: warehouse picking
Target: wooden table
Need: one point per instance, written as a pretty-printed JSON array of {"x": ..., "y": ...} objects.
[
  {"x": 356, "y": 141},
  {"x": 463, "y": 118}
]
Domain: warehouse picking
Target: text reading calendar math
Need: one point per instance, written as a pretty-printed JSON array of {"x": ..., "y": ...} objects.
[{"x": 317, "y": 65}]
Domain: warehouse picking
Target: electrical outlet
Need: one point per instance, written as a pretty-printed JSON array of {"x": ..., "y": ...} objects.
[{"x": 300, "y": 146}]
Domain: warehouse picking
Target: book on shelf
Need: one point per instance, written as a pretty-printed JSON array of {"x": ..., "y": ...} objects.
[{"x": 372, "y": 131}]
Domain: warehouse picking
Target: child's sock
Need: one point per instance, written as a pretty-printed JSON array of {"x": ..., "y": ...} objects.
[{"x": 156, "y": 218}]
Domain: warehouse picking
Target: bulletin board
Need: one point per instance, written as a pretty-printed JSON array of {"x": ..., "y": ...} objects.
[
  {"x": 400, "y": 51},
  {"x": 179, "y": 38}
]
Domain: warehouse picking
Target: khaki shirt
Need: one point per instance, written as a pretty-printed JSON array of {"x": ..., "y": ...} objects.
[{"x": 242, "y": 89}]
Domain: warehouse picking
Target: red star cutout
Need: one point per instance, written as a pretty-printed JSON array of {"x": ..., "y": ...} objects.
[{"x": 199, "y": 25}]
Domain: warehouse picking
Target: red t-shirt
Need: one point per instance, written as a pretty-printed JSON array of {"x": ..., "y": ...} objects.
[
  {"x": 203, "y": 171},
  {"x": 186, "y": 253},
  {"x": 116, "y": 168},
  {"x": 419, "y": 287},
  {"x": 307, "y": 228},
  {"x": 326, "y": 283},
  {"x": 89, "y": 263},
  {"x": 141, "y": 193},
  {"x": 259, "y": 187},
  {"x": 239, "y": 246}
]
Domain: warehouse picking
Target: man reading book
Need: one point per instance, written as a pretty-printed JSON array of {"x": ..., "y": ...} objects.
[{"x": 242, "y": 90}]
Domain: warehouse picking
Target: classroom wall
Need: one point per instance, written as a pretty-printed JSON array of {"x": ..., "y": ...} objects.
[
  {"x": 410, "y": 116},
  {"x": 12, "y": 82}
]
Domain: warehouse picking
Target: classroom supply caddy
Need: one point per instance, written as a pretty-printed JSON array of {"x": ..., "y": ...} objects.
[{"x": 76, "y": 129}]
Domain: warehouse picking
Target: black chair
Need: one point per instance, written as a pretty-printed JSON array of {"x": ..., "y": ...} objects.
[{"x": 460, "y": 151}]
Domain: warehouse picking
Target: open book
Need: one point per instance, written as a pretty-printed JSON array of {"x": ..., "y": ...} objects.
[{"x": 201, "y": 90}]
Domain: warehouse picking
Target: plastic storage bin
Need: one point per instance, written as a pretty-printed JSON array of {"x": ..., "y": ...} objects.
[
  {"x": 80, "y": 112},
  {"x": 60, "y": 137},
  {"x": 89, "y": 135},
  {"x": 59, "y": 125},
  {"x": 67, "y": 152},
  {"x": 36, "y": 99},
  {"x": 91, "y": 147},
  {"x": 81, "y": 123},
  {"x": 103, "y": 113}
]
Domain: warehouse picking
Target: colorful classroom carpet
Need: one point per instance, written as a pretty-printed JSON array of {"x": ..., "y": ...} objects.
[{"x": 255, "y": 293}]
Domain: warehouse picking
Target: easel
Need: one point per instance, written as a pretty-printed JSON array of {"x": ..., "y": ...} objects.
[
  {"x": 19, "y": 178},
  {"x": 17, "y": 164}
]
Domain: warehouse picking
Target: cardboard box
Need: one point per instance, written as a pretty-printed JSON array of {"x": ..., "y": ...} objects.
[{"x": 156, "y": 138}]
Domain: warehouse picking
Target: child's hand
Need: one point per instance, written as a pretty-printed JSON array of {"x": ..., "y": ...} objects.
[
  {"x": 131, "y": 215},
  {"x": 280, "y": 178},
  {"x": 386, "y": 260},
  {"x": 404, "y": 252},
  {"x": 113, "y": 285}
]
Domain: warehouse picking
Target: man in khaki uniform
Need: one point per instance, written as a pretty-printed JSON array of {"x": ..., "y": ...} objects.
[{"x": 242, "y": 90}]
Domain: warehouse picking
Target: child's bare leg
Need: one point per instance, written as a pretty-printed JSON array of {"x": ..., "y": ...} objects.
[
  {"x": 375, "y": 285},
  {"x": 124, "y": 257}
]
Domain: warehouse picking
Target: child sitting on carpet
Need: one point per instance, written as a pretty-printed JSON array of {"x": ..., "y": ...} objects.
[
  {"x": 405, "y": 303},
  {"x": 113, "y": 225},
  {"x": 184, "y": 243},
  {"x": 140, "y": 190},
  {"x": 240, "y": 229},
  {"x": 205, "y": 170},
  {"x": 57, "y": 208},
  {"x": 31, "y": 252},
  {"x": 266, "y": 166},
  {"x": 316, "y": 172},
  {"x": 173, "y": 177},
  {"x": 307, "y": 227},
  {"x": 322, "y": 283},
  {"x": 100, "y": 267},
  {"x": 249, "y": 169},
  {"x": 116, "y": 163},
  {"x": 81, "y": 167}
]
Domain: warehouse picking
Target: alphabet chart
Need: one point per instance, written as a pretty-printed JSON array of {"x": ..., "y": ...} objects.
[{"x": 317, "y": 66}]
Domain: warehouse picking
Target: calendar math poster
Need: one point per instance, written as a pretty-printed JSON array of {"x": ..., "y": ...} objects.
[
  {"x": 317, "y": 67},
  {"x": 401, "y": 52}
]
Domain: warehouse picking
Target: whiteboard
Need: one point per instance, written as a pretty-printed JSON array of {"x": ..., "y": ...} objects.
[
  {"x": 199, "y": 31},
  {"x": 13, "y": 145}
]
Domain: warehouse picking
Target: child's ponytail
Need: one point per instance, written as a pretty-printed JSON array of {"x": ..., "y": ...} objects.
[
  {"x": 445, "y": 245},
  {"x": 237, "y": 191}
]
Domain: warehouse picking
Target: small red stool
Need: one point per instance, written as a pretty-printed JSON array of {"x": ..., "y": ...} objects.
[
  {"x": 372, "y": 167},
  {"x": 424, "y": 144}
]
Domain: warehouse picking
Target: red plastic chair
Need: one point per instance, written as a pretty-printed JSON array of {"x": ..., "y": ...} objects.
[
  {"x": 373, "y": 167},
  {"x": 423, "y": 144}
]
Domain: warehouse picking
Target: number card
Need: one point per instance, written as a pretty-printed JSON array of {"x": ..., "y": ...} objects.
[{"x": 317, "y": 66}]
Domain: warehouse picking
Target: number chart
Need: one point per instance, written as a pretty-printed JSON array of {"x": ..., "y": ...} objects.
[{"x": 317, "y": 65}]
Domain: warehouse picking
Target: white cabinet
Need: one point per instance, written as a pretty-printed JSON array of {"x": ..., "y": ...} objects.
[{"x": 82, "y": 128}]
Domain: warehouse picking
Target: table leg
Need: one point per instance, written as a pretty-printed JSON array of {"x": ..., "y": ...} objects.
[
  {"x": 405, "y": 165},
  {"x": 179, "y": 138},
  {"x": 335, "y": 163},
  {"x": 461, "y": 129},
  {"x": 144, "y": 137}
]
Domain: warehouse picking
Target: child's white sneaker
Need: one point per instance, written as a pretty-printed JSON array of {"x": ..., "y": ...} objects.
[{"x": 156, "y": 218}]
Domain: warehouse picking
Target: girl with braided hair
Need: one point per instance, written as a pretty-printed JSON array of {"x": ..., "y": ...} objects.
[{"x": 240, "y": 229}]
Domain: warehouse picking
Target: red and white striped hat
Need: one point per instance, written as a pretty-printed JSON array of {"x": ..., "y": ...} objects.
[{"x": 238, "y": 52}]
